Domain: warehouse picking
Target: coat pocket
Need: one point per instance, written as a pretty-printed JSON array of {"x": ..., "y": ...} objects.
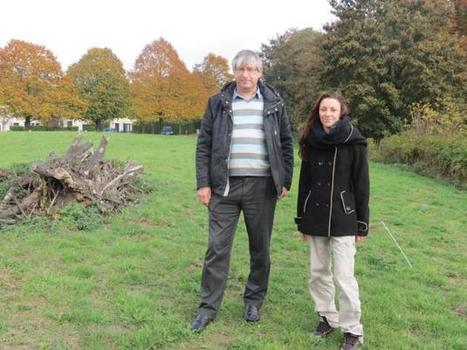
[{"x": 347, "y": 202}]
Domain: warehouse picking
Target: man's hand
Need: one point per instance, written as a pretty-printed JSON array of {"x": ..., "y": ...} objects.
[
  {"x": 284, "y": 193},
  {"x": 204, "y": 195},
  {"x": 359, "y": 239}
]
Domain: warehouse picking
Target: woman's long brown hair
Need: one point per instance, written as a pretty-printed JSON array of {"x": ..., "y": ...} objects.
[{"x": 314, "y": 114}]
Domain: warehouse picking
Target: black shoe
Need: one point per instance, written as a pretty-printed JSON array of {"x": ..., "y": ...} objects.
[
  {"x": 251, "y": 313},
  {"x": 200, "y": 323},
  {"x": 323, "y": 328},
  {"x": 351, "y": 342}
]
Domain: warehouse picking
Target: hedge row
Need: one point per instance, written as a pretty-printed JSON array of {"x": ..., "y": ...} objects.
[
  {"x": 43, "y": 128},
  {"x": 437, "y": 156}
]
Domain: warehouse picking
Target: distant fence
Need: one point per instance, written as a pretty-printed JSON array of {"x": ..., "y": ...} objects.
[{"x": 156, "y": 127}]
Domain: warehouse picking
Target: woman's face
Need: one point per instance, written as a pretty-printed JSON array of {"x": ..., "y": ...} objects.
[{"x": 329, "y": 112}]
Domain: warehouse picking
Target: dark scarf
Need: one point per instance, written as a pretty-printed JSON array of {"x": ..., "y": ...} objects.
[{"x": 343, "y": 132}]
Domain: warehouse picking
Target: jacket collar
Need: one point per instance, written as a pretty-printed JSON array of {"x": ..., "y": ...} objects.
[
  {"x": 257, "y": 95},
  {"x": 270, "y": 95},
  {"x": 271, "y": 98}
]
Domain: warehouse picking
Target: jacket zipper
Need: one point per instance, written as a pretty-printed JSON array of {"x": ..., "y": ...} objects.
[
  {"x": 227, "y": 182},
  {"x": 332, "y": 191}
]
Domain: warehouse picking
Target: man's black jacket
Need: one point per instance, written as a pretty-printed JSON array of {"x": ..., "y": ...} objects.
[{"x": 214, "y": 140}]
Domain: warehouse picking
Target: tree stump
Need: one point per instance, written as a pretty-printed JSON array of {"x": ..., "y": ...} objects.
[{"x": 81, "y": 175}]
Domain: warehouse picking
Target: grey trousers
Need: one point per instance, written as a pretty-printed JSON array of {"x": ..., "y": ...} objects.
[
  {"x": 321, "y": 284},
  {"x": 256, "y": 197}
]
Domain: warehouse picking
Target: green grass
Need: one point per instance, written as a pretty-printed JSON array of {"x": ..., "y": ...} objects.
[{"x": 133, "y": 282}]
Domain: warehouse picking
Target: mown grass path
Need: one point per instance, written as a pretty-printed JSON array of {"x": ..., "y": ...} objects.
[{"x": 133, "y": 283}]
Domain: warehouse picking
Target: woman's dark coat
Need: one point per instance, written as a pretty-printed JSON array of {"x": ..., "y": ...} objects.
[{"x": 334, "y": 185}]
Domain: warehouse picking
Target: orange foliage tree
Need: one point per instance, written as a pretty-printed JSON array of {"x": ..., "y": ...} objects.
[
  {"x": 65, "y": 101},
  {"x": 31, "y": 80},
  {"x": 213, "y": 72},
  {"x": 162, "y": 88}
]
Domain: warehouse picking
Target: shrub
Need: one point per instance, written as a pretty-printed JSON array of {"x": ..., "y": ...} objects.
[
  {"x": 17, "y": 128},
  {"x": 89, "y": 128},
  {"x": 435, "y": 155},
  {"x": 435, "y": 143},
  {"x": 80, "y": 217},
  {"x": 442, "y": 117}
]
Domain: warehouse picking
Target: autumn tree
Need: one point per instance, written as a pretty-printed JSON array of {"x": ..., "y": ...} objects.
[
  {"x": 162, "y": 88},
  {"x": 459, "y": 21},
  {"x": 292, "y": 63},
  {"x": 29, "y": 75},
  {"x": 388, "y": 55},
  {"x": 213, "y": 72},
  {"x": 101, "y": 83},
  {"x": 193, "y": 100},
  {"x": 2, "y": 93},
  {"x": 65, "y": 101}
]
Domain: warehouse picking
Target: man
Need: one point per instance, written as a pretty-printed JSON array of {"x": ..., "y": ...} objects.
[{"x": 244, "y": 162}]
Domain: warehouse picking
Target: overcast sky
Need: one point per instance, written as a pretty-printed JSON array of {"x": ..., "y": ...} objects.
[{"x": 195, "y": 28}]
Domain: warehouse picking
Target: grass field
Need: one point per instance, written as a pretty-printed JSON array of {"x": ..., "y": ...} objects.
[{"x": 133, "y": 282}]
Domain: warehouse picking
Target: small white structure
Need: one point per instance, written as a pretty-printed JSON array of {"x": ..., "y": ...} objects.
[
  {"x": 121, "y": 125},
  {"x": 70, "y": 123},
  {"x": 6, "y": 122},
  {"x": 117, "y": 125}
]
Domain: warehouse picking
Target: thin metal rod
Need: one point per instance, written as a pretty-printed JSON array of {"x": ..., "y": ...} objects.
[{"x": 397, "y": 244}]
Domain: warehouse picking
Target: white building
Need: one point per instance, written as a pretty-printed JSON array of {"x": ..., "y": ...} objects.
[
  {"x": 69, "y": 123},
  {"x": 121, "y": 125},
  {"x": 6, "y": 122},
  {"x": 117, "y": 125}
]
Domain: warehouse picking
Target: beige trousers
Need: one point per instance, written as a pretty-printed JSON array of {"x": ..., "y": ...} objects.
[{"x": 321, "y": 285}]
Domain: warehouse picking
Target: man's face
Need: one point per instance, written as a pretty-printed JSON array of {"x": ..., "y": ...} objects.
[{"x": 247, "y": 77}]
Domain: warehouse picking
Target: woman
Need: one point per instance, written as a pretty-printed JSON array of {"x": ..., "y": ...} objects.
[{"x": 332, "y": 212}]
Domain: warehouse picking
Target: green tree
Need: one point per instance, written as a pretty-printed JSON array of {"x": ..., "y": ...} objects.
[
  {"x": 101, "y": 83},
  {"x": 388, "y": 55},
  {"x": 292, "y": 64}
]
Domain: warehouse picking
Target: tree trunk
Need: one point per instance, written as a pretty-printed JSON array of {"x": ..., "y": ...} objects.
[{"x": 27, "y": 122}]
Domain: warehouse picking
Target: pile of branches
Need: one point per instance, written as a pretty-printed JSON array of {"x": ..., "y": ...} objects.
[{"x": 81, "y": 175}]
